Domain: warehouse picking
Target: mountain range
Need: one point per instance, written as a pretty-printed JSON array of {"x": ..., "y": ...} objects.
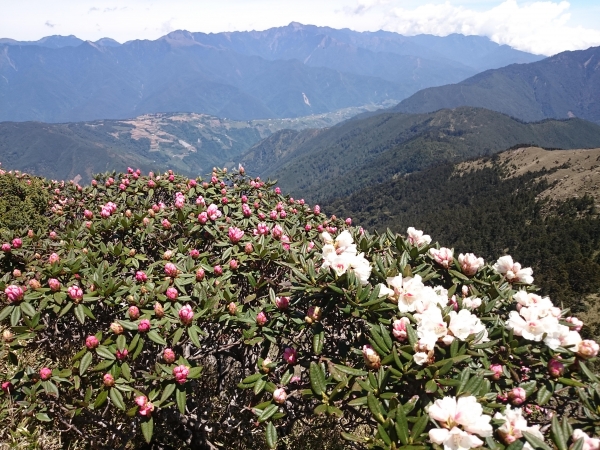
[
  {"x": 564, "y": 85},
  {"x": 189, "y": 143},
  {"x": 325, "y": 164},
  {"x": 289, "y": 71}
]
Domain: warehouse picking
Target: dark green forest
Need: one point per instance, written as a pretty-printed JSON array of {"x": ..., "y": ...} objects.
[{"x": 483, "y": 213}]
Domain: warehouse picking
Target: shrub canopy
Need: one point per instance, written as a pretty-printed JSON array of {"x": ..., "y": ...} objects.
[{"x": 209, "y": 312}]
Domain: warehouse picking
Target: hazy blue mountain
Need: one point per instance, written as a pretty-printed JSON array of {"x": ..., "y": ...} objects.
[
  {"x": 312, "y": 45},
  {"x": 564, "y": 85},
  {"x": 55, "y": 41},
  {"x": 289, "y": 71},
  {"x": 90, "y": 82}
]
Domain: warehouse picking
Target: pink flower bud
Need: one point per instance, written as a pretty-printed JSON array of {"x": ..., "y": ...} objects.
[
  {"x": 277, "y": 232},
  {"x": 7, "y": 386},
  {"x": 218, "y": 270},
  {"x": 348, "y": 221},
  {"x": 279, "y": 396},
  {"x": 556, "y": 369},
  {"x": 75, "y": 293},
  {"x": 200, "y": 274},
  {"x": 248, "y": 248},
  {"x": 517, "y": 396},
  {"x": 371, "y": 357},
  {"x": 45, "y": 373},
  {"x": 17, "y": 243},
  {"x": 186, "y": 315},
  {"x": 470, "y": 264},
  {"x": 6, "y": 247},
  {"x": 145, "y": 407},
  {"x": 169, "y": 356},
  {"x": 14, "y": 293},
  {"x": 144, "y": 326},
  {"x": 278, "y": 190},
  {"x": 134, "y": 312},
  {"x": 235, "y": 234},
  {"x": 290, "y": 356},
  {"x": 232, "y": 308},
  {"x": 317, "y": 209},
  {"x": 122, "y": 354},
  {"x": 53, "y": 258},
  {"x": 194, "y": 253},
  {"x": 54, "y": 284},
  {"x": 588, "y": 349},
  {"x": 91, "y": 342},
  {"x": 575, "y": 323},
  {"x": 172, "y": 294},
  {"x": 233, "y": 264},
  {"x": 261, "y": 319},
  {"x": 141, "y": 276},
  {"x": 282, "y": 302},
  {"x": 399, "y": 328},
  {"x": 313, "y": 314},
  {"x": 167, "y": 255},
  {"x": 116, "y": 328},
  {"x": 166, "y": 224},
  {"x": 180, "y": 373},
  {"x": 498, "y": 370},
  {"x": 171, "y": 270},
  {"x": 53, "y": 235},
  {"x": 158, "y": 310},
  {"x": 444, "y": 256},
  {"x": 108, "y": 380}
]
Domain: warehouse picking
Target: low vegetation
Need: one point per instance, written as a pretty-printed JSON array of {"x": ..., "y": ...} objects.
[{"x": 165, "y": 312}]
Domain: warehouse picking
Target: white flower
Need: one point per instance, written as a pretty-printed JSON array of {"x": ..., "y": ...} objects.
[
  {"x": 513, "y": 271},
  {"x": 529, "y": 324},
  {"x": 465, "y": 411},
  {"x": 463, "y": 324},
  {"x": 430, "y": 327},
  {"x": 589, "y": 443},
  {"x": 471, "y": 302},
  {"x": 361, "y": 268},
  {"x": 421, "y": 358},
  {"x": 454, "y": 439},
  {"x": 514, "y": 425},
  {"x": 416, "y": 237},
  {"x": 470, "y": 264},
  {"x": 340, "y": 255}
]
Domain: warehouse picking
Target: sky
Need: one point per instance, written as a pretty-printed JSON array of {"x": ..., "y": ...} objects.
[{"x": 544, "y": 27}]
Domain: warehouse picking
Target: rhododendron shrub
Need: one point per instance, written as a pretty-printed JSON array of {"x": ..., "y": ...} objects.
[{"x": 209, "y": 312}]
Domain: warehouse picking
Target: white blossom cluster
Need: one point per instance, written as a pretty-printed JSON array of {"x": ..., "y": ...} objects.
[
  {"x": 341, "y": 254},
  {"x": 537, "y": 319}
]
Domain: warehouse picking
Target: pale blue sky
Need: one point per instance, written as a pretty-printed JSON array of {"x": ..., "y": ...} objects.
[{"x": 543, "y": 26}]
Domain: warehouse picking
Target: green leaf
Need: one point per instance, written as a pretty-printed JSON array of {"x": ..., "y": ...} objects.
[
  {"x": 267, "y": 413},
  {"x": 320, "y": 409},
  {"x": 544, "y": 395},
  {"x": 318, "y": 341},
  {"x": 85, "y": 362},
  {"x": 535, "y": 441},
  {"x": 431, "y": 387},
  {"x": 177, "y": 335},
  {"x": 271, "y": 435},
  {"x": 15, "y": 316},
  {"x": 195, "y": 372},
  {"x": 121, "y": 342},
  {"x": 401, "y": 425},
  {"x": 43, "y": 417},
  {"x": 352, "y": 437},
  {"x": 167, "y": 392},
  {"x": 375, "y": 407},
  {"x": 193, "y": 334},
  {"x": 558, "y": 437},
  {"x": 350, "y": 371},
  {"x": 419, "y": 426},
  {"x": 588, "y": 373},
  {"x": 155, "y": 337},
  {"x": 6, "y": 312},
  {"x": 117, "y": 398},
  {"x": 180, "y": 398},
  {"x": 148, "y": 429},
  {"x": 125, "y": 370},
  {"x": 105, "y": 353},
  {"x": 50, "y": 388},
  {"x": 80, "y": 314},
  {"x": 317, "y": 379},
  {"x": 100, "y": 399},
  {"x": 28, "y": 309}
]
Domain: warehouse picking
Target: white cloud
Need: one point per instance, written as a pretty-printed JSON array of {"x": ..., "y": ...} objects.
[
  {"x": 539, "y": 27},
  {"x": 362, "y": 6}
]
